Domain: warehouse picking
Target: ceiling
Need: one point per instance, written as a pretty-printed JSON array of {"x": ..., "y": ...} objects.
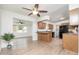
[{"x": 55, "y": 11}]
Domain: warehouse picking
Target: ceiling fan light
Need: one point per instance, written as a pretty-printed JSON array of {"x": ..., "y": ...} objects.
[{"x": 35, "y": 12}]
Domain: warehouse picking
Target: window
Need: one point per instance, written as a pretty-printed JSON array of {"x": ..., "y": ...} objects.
[{"x": 19, "y": 26}]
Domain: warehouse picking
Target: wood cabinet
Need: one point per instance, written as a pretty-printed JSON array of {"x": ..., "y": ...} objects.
[
  {"x": 45, "y": 36},
  {"x": 74, "y": 16},
  {"x": 50, "y": 26},
  {"x": 70, "y": 42},
  {"x": 41, "y": 25}
]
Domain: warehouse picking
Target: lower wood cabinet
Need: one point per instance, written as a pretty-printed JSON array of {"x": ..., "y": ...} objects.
[
  {"x": 45, "y": 36},
  {"x": 70, "y": 42}
]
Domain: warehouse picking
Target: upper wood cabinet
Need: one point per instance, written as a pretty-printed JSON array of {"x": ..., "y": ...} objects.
[
  {"x": 74, "y": 16},
  {"x": 41, "y": 25},
  {"x": 50, "y": 26}
]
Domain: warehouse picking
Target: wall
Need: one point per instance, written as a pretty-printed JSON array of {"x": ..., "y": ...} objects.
[
  {"x": 6, "y": 22},
  {"x": 0, "y": 30},
  {"x": 0, "y": 22}
]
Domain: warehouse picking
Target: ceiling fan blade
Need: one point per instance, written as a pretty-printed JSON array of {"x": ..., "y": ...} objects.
[
  {"x": 43, "y": 11},
  {"x": 29, "y": 14},
  {"x": 27, "y": 9},
  {"x": 36, "y": 6},
  {"x": 38, "y": 15}
]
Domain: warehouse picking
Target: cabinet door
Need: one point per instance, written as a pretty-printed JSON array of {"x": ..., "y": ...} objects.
[
  {"x": 50, "y": 26},
  {"x": 74, "y": 42},
  {"x": 41, "y": 25},
  {"x": 70, "y": 42}
]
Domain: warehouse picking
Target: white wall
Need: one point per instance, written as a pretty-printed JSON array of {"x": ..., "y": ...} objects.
[
  {"x": 6, "y": 22},
  {"x": 0, "y": 30},
  {"x": 0, "y": 22}
]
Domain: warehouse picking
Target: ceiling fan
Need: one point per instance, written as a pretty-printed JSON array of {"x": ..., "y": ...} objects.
[{"x": 35, "y": 10}]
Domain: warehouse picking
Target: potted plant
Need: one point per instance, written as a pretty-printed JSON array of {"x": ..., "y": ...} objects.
[{"x": 8, "y": 37}]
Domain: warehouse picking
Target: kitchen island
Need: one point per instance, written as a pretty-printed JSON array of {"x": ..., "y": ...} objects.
[
  {"x": 70, "y": 41},
  {"x": 45, "y": 36}
]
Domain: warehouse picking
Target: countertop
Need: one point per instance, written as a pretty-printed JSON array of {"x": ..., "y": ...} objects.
[
  {"x": 44, "y": 31},
  {"x": 71, "y": 33}
]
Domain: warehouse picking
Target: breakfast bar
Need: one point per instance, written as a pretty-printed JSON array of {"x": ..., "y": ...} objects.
[
  {"x": 45, "y": 36},
  {"x": 70, "y": 41}
]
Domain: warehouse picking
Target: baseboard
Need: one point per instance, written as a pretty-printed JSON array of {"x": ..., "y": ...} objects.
[{"x": 23, "y": 37}]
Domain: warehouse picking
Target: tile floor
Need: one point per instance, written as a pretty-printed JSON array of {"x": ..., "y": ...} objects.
[{"x": 37, "y": 48}]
